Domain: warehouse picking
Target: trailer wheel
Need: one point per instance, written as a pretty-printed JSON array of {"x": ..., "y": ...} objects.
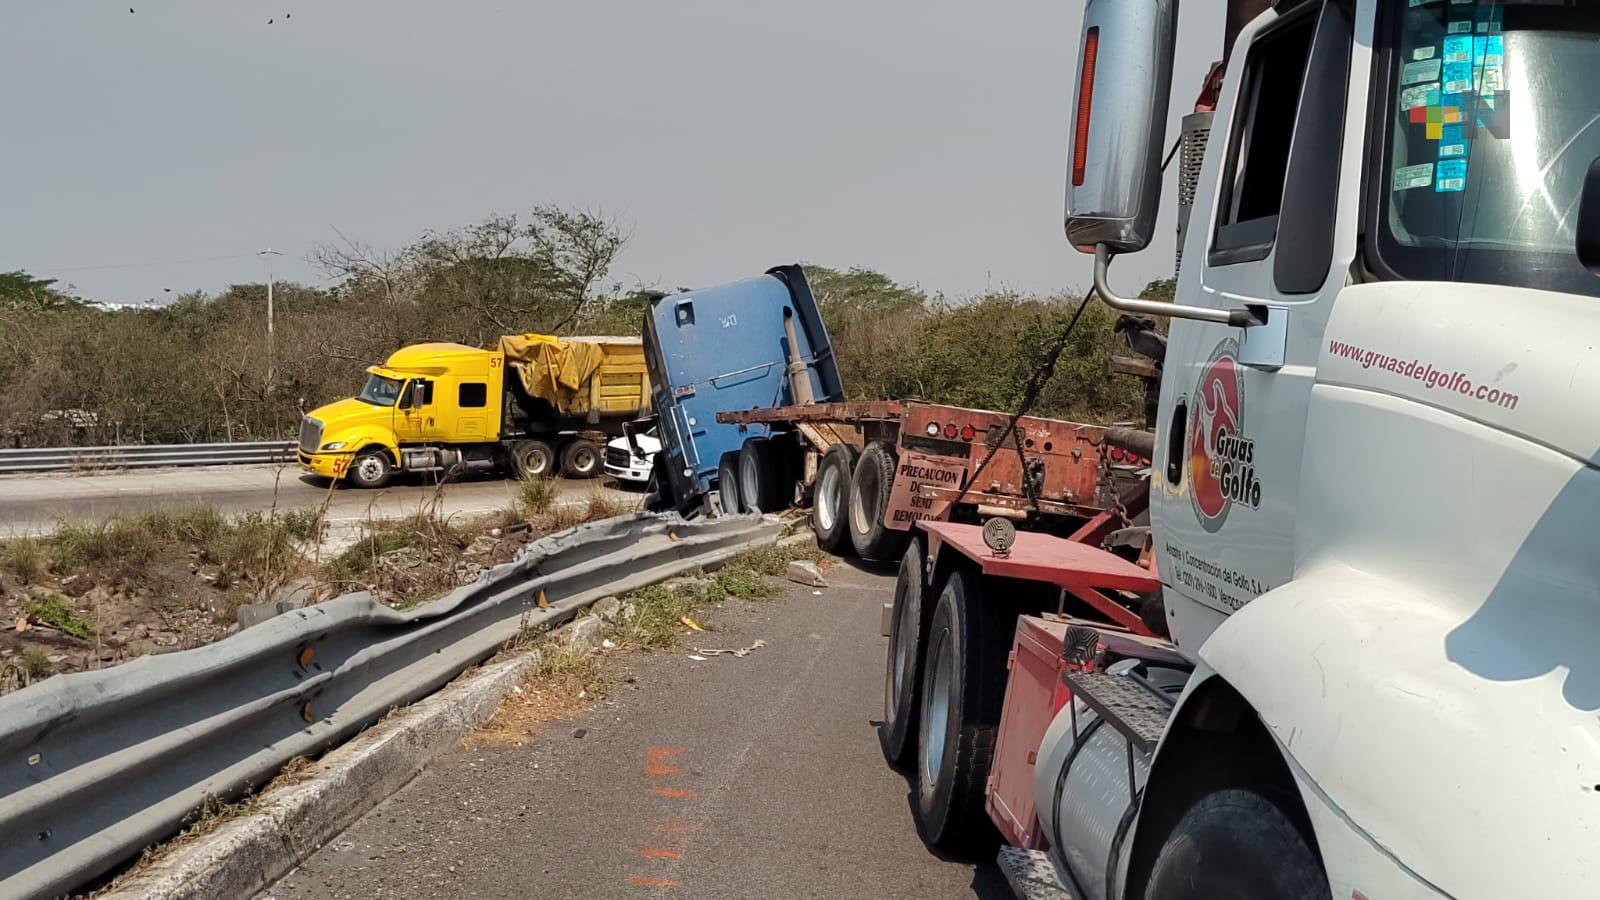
[
  {"x": 371, "y": 468},
  {"x": 963, "y": 686},
  {"x": 533, "y": 459},
  {"x": 830, "y": 517},
  {"x": 580, "y": 459},
  {"x": 903, "y": 671},
  {"x": 761, "y": 477},
  {"x": 1237, "y": 843},
  {"x": 869, "y": 498},
  {"x": 728, "y": 482}
]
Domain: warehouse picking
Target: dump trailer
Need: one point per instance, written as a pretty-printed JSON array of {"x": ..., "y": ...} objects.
[
  {"x": 1372, "y": 490},
  {"x": 534, "y": 404},
  {"x": 750, "y": 343}
]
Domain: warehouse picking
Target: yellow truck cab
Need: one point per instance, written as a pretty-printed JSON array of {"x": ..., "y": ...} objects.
[{"x": 444, "y": 408}]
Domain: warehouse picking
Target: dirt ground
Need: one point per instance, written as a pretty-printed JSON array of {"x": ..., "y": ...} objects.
[{"x": 92, "y": 595}]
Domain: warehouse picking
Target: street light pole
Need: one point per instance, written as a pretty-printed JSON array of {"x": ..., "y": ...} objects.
[{"x": 269, "y": 253}]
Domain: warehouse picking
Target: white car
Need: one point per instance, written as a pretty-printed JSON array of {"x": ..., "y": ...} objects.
[{"x": 625, "y": 465}]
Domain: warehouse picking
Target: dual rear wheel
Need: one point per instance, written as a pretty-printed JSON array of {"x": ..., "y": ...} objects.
[{"x": 944, "y": 689}]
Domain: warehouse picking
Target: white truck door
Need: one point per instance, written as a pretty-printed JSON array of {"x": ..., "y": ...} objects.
[{"x": 1273, "y": 225}]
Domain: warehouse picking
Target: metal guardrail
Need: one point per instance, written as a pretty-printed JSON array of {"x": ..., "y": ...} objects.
[
  {"x": 96, "y": 766},
  {"x": 52, "y": 459}
]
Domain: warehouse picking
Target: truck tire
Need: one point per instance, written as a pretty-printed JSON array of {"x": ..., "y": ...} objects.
[
  {"x": 830, "y": 502},
  {"x": 761, "y": 477},
  {"x": 658, "y": 490},
  {"x": 580, "y": 458},
  {"x": 963, "y": 687},
  {"x": 728, "y": 482},
  {"x": 902, "y": 674},
  {"x": 869, "y": 497},
  {"x": 533, "y": 459},
  {"x": 1236, "y": 844},
  {"x": 371, "y": 468}
]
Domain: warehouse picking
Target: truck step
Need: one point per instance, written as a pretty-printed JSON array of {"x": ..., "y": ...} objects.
[
  {"x": 1031, "y": 876},
  {"x": 1135, "y": 710}
]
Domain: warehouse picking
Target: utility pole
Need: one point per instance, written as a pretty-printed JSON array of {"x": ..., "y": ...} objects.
[{"x": 268, "y": 254}]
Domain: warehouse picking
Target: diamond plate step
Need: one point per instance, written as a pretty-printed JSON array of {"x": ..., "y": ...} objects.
[
  {"x": 1135, "y": 711},
  {"x": 1031, "y": 876}
]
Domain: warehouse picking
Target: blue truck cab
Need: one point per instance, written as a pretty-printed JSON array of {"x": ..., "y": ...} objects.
[{"x": 726, "y": 348}]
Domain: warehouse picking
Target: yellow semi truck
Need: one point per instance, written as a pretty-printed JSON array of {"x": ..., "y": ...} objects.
[{"x": 534, "y": 404}]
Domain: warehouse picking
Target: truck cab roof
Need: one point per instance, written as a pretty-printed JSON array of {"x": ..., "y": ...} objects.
[{"x": 435, "y": 359}]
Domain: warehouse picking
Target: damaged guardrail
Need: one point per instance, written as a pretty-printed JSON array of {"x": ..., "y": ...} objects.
[
  {"x": 137, "y": 456},
  {"x": 96, "y": 766}
]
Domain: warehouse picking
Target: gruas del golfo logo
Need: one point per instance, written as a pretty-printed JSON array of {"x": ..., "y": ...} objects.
[{"x": 1222, "y": 467}]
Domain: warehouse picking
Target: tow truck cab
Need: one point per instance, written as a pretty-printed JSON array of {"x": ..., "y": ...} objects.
[{"x": 1374, "y": 481}]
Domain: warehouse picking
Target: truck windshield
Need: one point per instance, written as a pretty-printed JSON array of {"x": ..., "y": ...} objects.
[
  {"x": 380, "y": 391},
  {"x": 1492, "y": 117}
]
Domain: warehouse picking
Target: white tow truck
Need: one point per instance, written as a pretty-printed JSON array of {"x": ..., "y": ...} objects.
[{"x": 1373, "y": 498}]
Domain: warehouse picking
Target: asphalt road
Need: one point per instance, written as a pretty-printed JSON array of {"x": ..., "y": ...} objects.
[
  {"x": 33, "y": 504},
  {"x": 752, "y": 777}
]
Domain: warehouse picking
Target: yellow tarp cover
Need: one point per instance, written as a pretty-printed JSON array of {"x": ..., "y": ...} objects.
[{"x": 560, "y": 370}]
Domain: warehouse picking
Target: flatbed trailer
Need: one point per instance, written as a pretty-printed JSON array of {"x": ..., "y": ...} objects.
[{"x": 871, "y": 470}]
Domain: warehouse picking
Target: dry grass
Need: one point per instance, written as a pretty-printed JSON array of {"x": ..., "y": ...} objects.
[
  {"x": 535, "y": 494},
  {"x": 592, "y": 508},
  {"x": 566, "y": 679}
]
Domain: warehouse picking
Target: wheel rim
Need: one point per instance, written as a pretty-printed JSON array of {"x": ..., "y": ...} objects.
[
  {"x": 905, "y": 624},
  {"x": 748, "y": 480},
  {"x": 860, "y": 519},
  {"x": 828, "y": 498},
  {"x": 536, "y": 462},
  {"x": 936, "y": 710},
  {"x": 370, "y": 468},
  {"x": 583, "y": 460}
]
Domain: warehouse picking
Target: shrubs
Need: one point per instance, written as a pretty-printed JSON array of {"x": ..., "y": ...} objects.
[
  {"x": 54, "y": 611},
  {"x": 535, "y": 494}
]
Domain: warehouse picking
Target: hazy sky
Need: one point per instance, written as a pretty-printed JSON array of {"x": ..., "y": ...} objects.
[{"x": 926, "y": 139}]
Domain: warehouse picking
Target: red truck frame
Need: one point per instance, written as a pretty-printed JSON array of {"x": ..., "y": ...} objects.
[{"x": 899, "y": 462}]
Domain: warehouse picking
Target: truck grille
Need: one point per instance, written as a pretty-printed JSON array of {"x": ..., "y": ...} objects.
[
  {"x": 616, "y": 456},
  {"x": 310, "y": 434}
]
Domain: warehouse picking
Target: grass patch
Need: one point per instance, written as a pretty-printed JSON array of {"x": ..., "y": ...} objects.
[
  {"x": 744, "y": 583},
  {"x": 535, "y": 494},
  {"x": 54, "y": 611},
  {"x": 566, "y": 678},
  {"x": 775, "y": 559},
  {"x": 660, "y": 608},
  {"x": 37, "y": 664},
  {"x": 593, "y": 508},
  {"x": 26, "y": 558}
]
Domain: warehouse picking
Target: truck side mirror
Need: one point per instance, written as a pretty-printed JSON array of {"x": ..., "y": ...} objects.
[
  {"x": 1589, "y": 219},
  {"x": 1124, "y": 81},
  {"x": 1114, "y": 166}
]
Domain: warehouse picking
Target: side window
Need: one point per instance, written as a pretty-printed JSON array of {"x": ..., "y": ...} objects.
[
  {"x": 1258, "y": 153},
  {"x": 473, "y": 395},
  {"x": 419, "y": 394}
]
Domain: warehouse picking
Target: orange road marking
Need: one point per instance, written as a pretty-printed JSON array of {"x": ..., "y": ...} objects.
[
  {"x": 656, "y": 755},
  {"x": 654, "y": 882},
  {"x": 658, "y": 853},
  {"x": 675, "y": 793}
]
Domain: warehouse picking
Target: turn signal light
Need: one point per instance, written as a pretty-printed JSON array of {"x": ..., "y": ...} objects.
[{"x": 1080, "y": 137}]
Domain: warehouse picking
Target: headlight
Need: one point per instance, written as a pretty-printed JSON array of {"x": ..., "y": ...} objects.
[{"x": 333, "y": 445}]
